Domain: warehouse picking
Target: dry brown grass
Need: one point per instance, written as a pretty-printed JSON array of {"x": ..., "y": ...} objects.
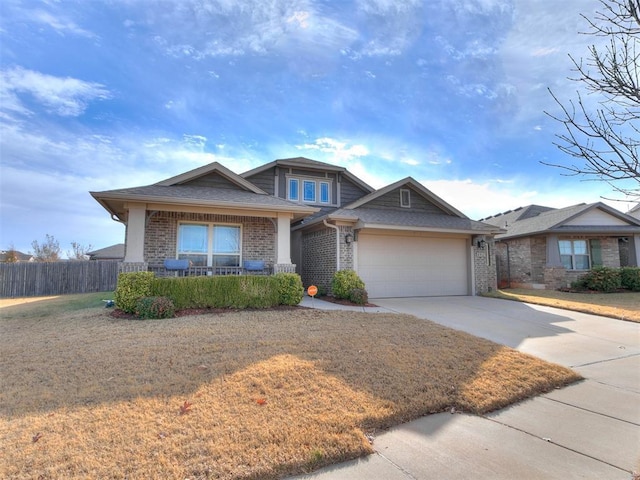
[
  {"x": 623, "y": 306},
  {"x": 271, "y": 393}
]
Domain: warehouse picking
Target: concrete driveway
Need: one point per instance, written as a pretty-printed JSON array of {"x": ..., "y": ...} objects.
[{"x": 587, "y": 430}]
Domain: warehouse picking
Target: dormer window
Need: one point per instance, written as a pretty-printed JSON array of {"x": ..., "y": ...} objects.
[
  {"x": 405, "y": 198},
  {"x": 309, "y": 190}
]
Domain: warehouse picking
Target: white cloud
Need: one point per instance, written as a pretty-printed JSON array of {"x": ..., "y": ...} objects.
[
  {"x": 66, "y": 97},
  {"x": 59, "y": 23},
  {"x": 340, "y": 150}
]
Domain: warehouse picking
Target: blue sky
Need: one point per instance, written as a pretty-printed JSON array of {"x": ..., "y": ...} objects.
[{"x": 102, "y": 95}]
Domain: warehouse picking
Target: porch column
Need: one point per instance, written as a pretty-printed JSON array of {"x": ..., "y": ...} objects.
[
  {"x": 135, "y": 234},
  {"x": 553, "y": 251},
  {"x": 283, "y": 253}
]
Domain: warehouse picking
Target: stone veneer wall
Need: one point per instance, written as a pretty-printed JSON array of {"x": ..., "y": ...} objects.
[{"x": 258, "y": 235}]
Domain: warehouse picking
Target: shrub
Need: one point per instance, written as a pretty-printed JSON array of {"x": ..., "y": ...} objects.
[
  {"x": 290, "y": 289},
  {"x": 359, "y": 296},
  {"x": 603, "y": 279},
  {"x": 224, "y": 291},
  {"x": 630, "y": 278},
  {"x": 131, "y": 287},
  {"x": 343, "y": 282},
  {"x": 155, "y": 307}
]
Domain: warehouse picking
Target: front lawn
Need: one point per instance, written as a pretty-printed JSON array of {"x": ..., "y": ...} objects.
[
  {"x": 239, "y": 395},
  {"x": 623, "y": 306}
]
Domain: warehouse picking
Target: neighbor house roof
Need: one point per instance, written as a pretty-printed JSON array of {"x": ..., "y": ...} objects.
[
  {"x": 21, "y": 257},
  {"x": 558, "y": 221},
  {"x": 113, "y": 252},
  {"x": 307, "y": 163}
]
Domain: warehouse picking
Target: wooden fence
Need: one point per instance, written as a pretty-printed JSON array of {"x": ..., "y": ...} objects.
[{"x": 57, "y": 278}]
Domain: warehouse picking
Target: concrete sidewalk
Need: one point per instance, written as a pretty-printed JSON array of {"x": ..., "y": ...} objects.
[{"x": 588, "y": 430}]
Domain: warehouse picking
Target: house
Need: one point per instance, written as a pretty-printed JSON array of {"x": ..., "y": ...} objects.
[
  {"x": 549, "y": 248},
  {"x": 112, "y": 252},
  {"x": 635, "y": 211},
  {"x": 14, "y": 256},
  {"x": 310, "y": 217}
]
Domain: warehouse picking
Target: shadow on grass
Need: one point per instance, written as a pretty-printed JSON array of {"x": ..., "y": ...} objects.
[{"x": 326, "y": 378}]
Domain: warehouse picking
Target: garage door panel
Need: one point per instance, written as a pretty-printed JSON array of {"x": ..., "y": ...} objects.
[{"x": 404, "y": 266}]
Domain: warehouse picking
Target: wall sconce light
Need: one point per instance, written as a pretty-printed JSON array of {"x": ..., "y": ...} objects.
[
  {"x": 348, "y": 238},
  {"x": 481, "y": 244}
]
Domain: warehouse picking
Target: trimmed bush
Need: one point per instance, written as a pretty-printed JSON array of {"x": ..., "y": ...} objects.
[
  {"x": 131, "y": 287},
  {"x": 359, "y": 296},
  {"x": 290, "y": 289},
  {"x": 223, "y": 291},
  {"x": 343, "y": 282},
  {"x": 630, "y": 278},
  {"x": 603, "y": 279},
  {"x": 155, "y": 307}
]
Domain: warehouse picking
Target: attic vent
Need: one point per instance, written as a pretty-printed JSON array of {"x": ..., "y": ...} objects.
[{"x": 405, "y": 198}]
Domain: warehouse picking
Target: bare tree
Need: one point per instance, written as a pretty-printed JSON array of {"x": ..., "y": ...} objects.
[
  {"x": 605, "y": 138},
  {"x": 78, "y": 251},
  {"x": 49, "y": 251}
]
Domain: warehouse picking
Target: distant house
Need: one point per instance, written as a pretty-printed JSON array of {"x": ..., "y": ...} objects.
[
  {"x": 310, "y": 217},
  {"x": 113, "y": 252},
  {"x": 8, "y": 256},
  {"x": 549, "y": 248}
]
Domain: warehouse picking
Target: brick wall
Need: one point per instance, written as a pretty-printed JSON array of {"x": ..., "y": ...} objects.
[
  {"x": 258, "y": 235},
  {"x": 319, "y": 258},
  {"x": 485, "y": 268}
]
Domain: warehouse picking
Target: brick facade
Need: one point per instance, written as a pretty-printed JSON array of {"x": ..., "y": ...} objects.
[
  {"x": 526, "y": 265},
  {"x": 161, "y": 235},
  {"x": 484, "y": 269}
]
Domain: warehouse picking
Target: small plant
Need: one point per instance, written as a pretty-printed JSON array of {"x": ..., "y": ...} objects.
[
  {"x": 359, "y": 296},
  {"x": 155, "y": 307},
  {"x": 344, "y": 282},
  {"x": 290, "y": 289},
  {"x": 131, "y": 287},
  {"x": 630, "y": 278}
]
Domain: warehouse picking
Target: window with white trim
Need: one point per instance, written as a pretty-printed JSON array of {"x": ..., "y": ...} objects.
[
  {"x": 208, "y": 244},
  {"x": 574, "y": 254},
  {"x": 405, "y": 198},
  {"x": 308, "y": 190}
]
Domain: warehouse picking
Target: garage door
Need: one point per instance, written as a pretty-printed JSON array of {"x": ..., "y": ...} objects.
[{"x": 412, "y": 266}]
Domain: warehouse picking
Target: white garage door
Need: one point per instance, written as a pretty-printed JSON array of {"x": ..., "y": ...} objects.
[{"x": 412, "y": 266}]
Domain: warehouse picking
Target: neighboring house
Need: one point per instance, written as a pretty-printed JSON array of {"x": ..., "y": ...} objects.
[
  {"x": 635, "y": 211},
  {"x": 549, "y": 248},
  {"x": 113, "y": 252},
  {"x": 313, "y": 218},
  {"x": 14, "y": 255}
]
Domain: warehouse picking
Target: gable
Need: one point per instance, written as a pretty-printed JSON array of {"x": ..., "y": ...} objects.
[
  {"x": 212, "y": 180},
  {"x": 417, "y": 202},
  {"x": 596, "y": 217}
]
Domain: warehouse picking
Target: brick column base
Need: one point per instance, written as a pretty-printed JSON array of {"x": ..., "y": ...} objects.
[{"x": 555, "y": 278}]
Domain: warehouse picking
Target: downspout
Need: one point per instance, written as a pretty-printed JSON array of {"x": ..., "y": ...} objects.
[{"x": 337, "y": 242}]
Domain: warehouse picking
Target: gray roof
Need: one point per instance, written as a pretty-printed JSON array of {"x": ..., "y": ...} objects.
[
  {"x": 415, "y": 219},
  {"x": 204, "y": 194},
  {"x": 554, "y": 221},
  {"x": 112, "y": 252},
  {"x": 509, "y": 217}
]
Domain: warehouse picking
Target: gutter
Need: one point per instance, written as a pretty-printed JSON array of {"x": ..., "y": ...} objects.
[{"x": 337, "y": 242}]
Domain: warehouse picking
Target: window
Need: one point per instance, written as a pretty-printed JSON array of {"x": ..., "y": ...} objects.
[
  {"x": 324, "y": 192},
  {"x": 574, "y": 254},
  {"x": 209, "y": 245},
  {"x": 405, "y": 198},
  {"x": 293, "y": 189},
  {"x": 309, "y": 191}
]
